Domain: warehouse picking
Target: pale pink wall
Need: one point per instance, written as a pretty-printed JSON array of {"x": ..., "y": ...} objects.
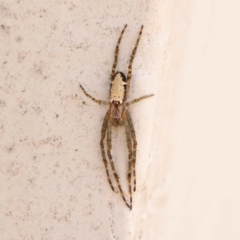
[{"x": 204, "y": 198}]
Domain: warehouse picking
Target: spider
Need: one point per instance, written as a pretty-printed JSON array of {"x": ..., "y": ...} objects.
[{"x": 118, "y": 115}]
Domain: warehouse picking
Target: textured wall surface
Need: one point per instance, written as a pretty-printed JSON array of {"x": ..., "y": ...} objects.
[{"x": 53, "y": 183}]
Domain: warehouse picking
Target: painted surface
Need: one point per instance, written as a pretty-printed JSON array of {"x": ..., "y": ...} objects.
[
  {"x": 52, "y": 179},
  {"x": 204, "y": 197}
]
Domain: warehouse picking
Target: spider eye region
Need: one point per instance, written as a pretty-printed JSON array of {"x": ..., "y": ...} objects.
[{"x": 118, "y": 87}]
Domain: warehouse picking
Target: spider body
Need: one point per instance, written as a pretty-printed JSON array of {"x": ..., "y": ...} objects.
[
  {"x": 118, "y": 115},
  {"x": 117, "y": 97},
  {"x": 118, "y": 88}
]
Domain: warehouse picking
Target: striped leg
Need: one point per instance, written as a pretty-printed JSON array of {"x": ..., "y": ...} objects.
[
  {"x": 131, "y": 60},
  {"x": 94, "y": 99},
  {"x": 129, "y": 175},
  {"x": 139, "y": 99},
  {"x": 109, "y": 147},
  {"x": 103, "y": 133},
  {"x": 133, "y": 135},
  {"x": 116, "y": 53}
]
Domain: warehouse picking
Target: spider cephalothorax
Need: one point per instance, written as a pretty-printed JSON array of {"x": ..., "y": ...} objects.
[
  {"x": 118, "y": 115},
  {"x": 117, "y": 97}
]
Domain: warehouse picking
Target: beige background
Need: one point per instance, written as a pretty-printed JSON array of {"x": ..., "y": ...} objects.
[
  {"x": 204, "y": 198},
  {"x": 52, "y": 180}
]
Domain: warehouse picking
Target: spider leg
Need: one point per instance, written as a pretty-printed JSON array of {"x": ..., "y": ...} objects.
[
  {"x": 116, "y": 53},
  {"x": 139, "y": 99},
  {"x": 133, "y": 135},
  {"x": 131, "y": 60},
  {"x": 94, "y": 99},
  {"x": 129, "y": 175},
  {"x": 103, "y": 133},
  {"x": 109, "y": 147}
]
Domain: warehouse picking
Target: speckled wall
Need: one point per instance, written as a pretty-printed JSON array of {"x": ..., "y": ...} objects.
[{"x": 53, "y": 183}]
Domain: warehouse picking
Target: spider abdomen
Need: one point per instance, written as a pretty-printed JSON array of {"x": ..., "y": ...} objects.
[
  {"x": 116, "y": 113},
  {"x": 118, "y": 88}
]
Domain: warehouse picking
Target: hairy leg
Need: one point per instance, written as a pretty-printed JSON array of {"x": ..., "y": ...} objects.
[
  {"x": 129, "y": 75},
  {"x": 94, "y": 99},
  {"x": 133, "y": 135},
  {"x": 139, "y": 99},
  {"x": 109, "y": 147},
  {"x": 116, "y": 53},
  {"x": 103, "y": 133},
  {"x": 129, "y": 175}
]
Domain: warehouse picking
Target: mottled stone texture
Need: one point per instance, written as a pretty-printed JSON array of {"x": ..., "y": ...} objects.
[{"x": 53, "y": 183}]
